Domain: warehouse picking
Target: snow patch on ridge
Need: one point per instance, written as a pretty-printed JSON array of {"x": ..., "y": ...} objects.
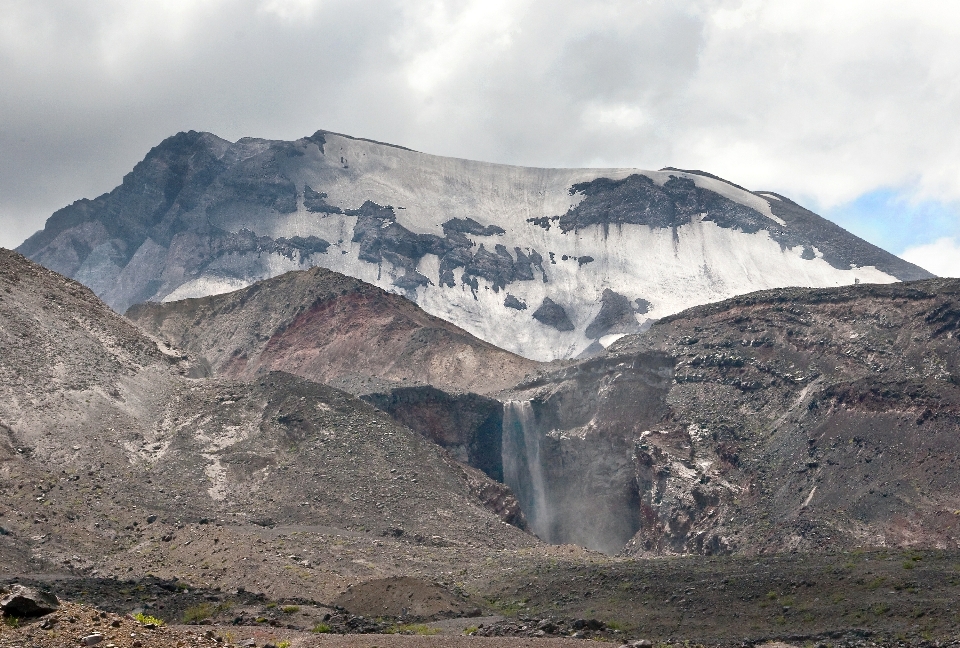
[{"x": 206, "y": 285}]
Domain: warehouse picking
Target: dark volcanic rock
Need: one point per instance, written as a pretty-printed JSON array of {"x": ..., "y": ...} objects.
[
  {"x": 382, "y": 238},
  {"x": 377, "y": 232},
  {"x": 552, "y": 314},
  {"x": 168, "y": 182},
  {"x": 615, "y": 316},
  {"x": 316, "y": 201},
  {"x": 470, "y": 226},
  {"x": 790, "y": 419},
  {"x": 638, "y": 200},
  {"x": 838, "y": 247},
  {"x": 468, "y": 425},
  {"x": 23, "y": 601},
  {"x": 512, "y": 302},
  {"x": 260, "y": 180}
]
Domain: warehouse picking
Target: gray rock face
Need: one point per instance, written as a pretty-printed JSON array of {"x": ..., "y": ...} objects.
[
  {"x": 764, "y": 421},
  {"x": 615, "y": 316},
  {"x": 569, "y": 448},
  {"x": 23, "y": 601},
  {"x": 467, "y": 425},
  {"x": 512, "y": 302},
  {"x": 552, "y": 314},
  {"x": 200, "y": 216}
]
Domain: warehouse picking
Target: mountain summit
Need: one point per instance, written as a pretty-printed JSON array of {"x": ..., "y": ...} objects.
[{"x": 546, "y": 263}]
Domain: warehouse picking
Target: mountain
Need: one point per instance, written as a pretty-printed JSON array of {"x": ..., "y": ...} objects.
[
  {"x": 545, "y": 263},
  {"x": 115, "y": 463},
  {"x": 792, "y": 419},
  {"x": 330, "y": 328},
  {"x": 809, "y": 420},
  {"x": 777, "y": 419}
]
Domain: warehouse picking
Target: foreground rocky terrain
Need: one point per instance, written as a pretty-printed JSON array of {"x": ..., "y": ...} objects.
[
  {"x": 893, "y": 598},
  {"x": 546, "y": 263}
]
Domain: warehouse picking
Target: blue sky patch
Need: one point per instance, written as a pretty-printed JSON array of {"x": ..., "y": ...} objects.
[{"x": 893, "y": 221}]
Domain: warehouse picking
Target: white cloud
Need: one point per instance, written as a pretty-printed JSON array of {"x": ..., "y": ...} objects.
[
  {"x": 942, "y": 257},
  {"x": 444, "y": 40},
  {"x": 818, "y": 99},
  {"x": 619, "y": 116},
  {"x": 291, "y": 9}
]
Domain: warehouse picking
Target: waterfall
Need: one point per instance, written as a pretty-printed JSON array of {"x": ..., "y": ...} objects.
[{"x": 523, "y": 468}]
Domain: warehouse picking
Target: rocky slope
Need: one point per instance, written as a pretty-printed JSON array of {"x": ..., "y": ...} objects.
[
  {"x": 330, "y": 328},
  {"x": 546, "y": 263},
  {"x": 254, "y": 505},
  {"x": 784, "y": 420},
  {"x": 114, "y": 462},
  {"x": 707, "y": 434}
]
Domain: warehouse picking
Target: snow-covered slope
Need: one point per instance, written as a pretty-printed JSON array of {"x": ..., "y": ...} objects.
[{"x": 547, "y": 263}]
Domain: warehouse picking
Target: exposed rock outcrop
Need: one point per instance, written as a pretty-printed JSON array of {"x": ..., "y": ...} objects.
[
  {"x": 789, "y": 419},
  {"x": 23, "y": 601},
  {"x": 552, "y": 314}
]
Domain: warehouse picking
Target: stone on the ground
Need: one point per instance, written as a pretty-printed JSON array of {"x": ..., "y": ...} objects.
[{"x": 23, "y": 601}]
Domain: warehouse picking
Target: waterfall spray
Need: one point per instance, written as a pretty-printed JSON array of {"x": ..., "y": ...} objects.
[{"x": 522, "y": 466}]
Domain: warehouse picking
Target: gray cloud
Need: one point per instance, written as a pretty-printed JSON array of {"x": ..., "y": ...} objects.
[{"x": 820, "y": 100}]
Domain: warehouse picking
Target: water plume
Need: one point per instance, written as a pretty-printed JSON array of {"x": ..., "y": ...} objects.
[{"x": 523, "y": 469}]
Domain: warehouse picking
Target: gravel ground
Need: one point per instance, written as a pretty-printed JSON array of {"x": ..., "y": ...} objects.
[{"x": 75, "y": 624}]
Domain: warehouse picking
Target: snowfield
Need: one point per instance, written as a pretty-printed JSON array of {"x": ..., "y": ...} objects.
[{"x": 481, "y": 245}]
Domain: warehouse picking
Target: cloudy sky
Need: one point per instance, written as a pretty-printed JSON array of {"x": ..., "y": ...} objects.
[{"x": 851, "y": 107}]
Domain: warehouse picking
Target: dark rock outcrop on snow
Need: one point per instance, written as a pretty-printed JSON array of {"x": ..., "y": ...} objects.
[
  {"x": 552, "y": 314},
  {"x": 616, "y": 316},
  {"x": 512, "y": 302},
  {"x": 803, "y": 227}
]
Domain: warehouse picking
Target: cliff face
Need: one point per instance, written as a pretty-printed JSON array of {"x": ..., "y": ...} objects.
[
  {"x": 546, "y": 263},
  {"x": 788, "y": 419}
]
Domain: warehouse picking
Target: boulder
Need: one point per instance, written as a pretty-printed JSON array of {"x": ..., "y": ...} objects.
[{"x": 23, "y": 601}]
